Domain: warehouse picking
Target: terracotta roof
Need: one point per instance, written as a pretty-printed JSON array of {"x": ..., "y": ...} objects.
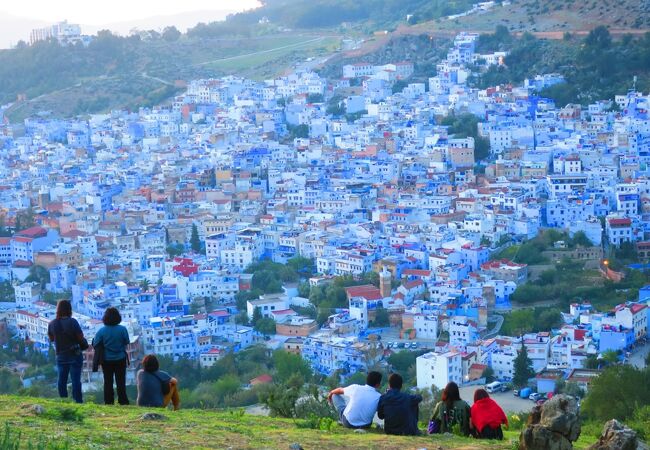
[{"x": 367, "y": 291}]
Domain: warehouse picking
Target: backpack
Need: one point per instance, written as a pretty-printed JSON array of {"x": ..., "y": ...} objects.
[{"x": 164, "y": 385}]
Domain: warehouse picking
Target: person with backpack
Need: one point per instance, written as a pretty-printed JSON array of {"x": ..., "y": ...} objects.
[
  {"x": 155, "y": 387},
  {"x": 486, "y": 417},
  {"x": 399, "y": 409},
  {"x": 114, "y": 338},
  {"x": 450, "y": 412},
  {"x": 69, "y": 343}
]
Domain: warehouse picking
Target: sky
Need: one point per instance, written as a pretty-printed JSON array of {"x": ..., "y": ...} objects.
[{"x": 98, "y": 12}]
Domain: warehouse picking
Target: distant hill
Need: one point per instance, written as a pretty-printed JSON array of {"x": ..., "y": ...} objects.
[
  {"x": 141, "y": 70},
  {"x": 116, "y": 72}
]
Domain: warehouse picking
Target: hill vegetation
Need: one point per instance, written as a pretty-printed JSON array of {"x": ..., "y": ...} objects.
[
  {"x": 553, "y": 17},
  {"x": 129, "y": 72},
  {"x": 595, "y": 67}
]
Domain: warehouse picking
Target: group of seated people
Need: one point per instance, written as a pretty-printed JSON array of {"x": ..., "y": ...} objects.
[{"x": 357, "y": 404}]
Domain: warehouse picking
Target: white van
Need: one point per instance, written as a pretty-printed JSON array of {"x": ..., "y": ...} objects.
[{"x": 495, "y": 386}]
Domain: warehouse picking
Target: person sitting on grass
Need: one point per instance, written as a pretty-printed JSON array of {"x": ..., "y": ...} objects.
[
  {"x": 451, "y": 411},
  {"x": 398, "y": 409},
  {"x": 486, "y": 417},
  {"x": 359, "y": 410},
  {"x": 155, "y": 387}
]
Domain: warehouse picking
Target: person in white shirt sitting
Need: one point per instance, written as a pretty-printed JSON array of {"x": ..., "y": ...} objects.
[{"x": 361, "y": 404}]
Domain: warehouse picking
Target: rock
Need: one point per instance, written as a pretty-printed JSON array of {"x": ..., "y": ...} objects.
[
  {"x": 152, "y": 416},
  {"x": 295, "y": 446},
  {"x": 537, "y": 437},
  {"x": 553, "y": 426},
  {"x": 360, "y": 431},
  {"x": 560, "y": 414},
  {"x": 37, "y": 409},
  {"x": 616, "y": 436}
]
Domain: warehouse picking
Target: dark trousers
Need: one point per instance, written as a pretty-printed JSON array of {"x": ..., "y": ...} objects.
[
  {"x": 70, "y": 366},
  {"x": 116, "y": 369},
  {"x": 490, "y": 433}
]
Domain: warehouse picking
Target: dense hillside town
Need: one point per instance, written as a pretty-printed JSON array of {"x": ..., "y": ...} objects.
[{"x": 340, "y": 219}]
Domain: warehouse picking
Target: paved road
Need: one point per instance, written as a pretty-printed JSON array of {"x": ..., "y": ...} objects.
[
  {"x": 495, "y": 330},
  {"x": 637, "y": 359}
]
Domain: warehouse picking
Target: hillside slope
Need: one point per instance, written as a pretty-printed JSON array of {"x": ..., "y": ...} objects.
[
  {"x": 549, "y": 16},
  {"x": 63, "y": 425}
]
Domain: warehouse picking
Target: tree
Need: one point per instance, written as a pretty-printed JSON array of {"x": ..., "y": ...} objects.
[
  {"x": 402, "y": 361},
  {"x": 287, "y": 364},
  {"x": 174, "y": 250},
  {"x": 488, "y": 374},
  {"x": 195, "y": 242},
  {"x": 9, "y": 382},
  {"x": 257, "y": 315},
  {"x": 171, "y": 34},
  {"x": 38, "y": 274},
  {"x": 381, "y": 317},
  {"x": 523, "y": 368},
  {"x": 265, "y": 326},
  {"x": 610, "y": 357},
  {"x": 617, "y": 392}
]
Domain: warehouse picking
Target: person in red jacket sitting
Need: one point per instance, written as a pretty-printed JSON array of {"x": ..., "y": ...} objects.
[{"x": 486, "y": 417}]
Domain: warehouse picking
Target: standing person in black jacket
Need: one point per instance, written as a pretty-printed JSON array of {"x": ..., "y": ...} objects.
[
  {"x": 399, "y": 410},
  {"x": 68, "y": 340}
]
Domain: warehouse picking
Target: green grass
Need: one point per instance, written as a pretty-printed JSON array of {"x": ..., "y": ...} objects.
[{"x": 64, "y": 425}]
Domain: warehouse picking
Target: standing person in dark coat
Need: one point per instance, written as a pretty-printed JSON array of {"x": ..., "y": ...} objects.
[
  {"x": 115, "y": 338},
  {"x": 66, "y": 334},
  {"x": 398, "y": 409}
]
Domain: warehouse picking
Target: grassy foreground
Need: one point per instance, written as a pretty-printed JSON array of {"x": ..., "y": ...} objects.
[{"x": 64, "y": 425}]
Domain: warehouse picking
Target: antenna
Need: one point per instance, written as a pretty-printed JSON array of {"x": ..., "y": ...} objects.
[{"x": 634, "y": 83}]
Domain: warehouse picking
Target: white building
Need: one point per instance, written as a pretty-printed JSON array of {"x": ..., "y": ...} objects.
[{"x": 438, "y": 369}]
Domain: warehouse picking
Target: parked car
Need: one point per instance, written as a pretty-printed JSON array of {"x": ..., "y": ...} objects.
[
  {"x": 505, "y": 387},
  {"x": 536, "y": 397},
  {"x": 515, "y": 392},
  {"x": 414, "y": 345},
  {"x": 400, "y": 345}
]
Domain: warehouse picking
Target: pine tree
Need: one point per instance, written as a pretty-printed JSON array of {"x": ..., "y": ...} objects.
[
  {"x": 195, "y": 242},
  {"x": 523, "y": 368},
  {"x": 257, "y": 315}
]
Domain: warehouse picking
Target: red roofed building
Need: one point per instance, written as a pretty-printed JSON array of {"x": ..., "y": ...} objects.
[
  {"x": 633, "y": 316},
  {"x": 26, "y": 243},
  {"x": 619, "y": 230},
  {"x": 367, "y": 291},
  {"x": 262, "y": 379},
  {"x": 185, "y": 266},
  {"x": 506, "y": 270}
]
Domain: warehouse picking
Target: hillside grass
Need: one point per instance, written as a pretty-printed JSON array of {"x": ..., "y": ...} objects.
[{"x": 64, "y": 425}]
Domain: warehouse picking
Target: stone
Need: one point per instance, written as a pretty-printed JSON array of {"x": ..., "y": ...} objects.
[
  {"x": 538, "y": 437},
  {"x": 295, "y": 446},
  {"x": 560, "y": 414},
  {"x": 37, "y": 409},
  {"x": 152, "y": 416},
  {"x": 553, "y": 426},
  {"x": 360, "y": 431},
  {"x": 616, "y": 436}
]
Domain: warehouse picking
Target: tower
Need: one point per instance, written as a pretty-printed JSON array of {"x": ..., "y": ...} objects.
[{"x": 384, "y": 282}]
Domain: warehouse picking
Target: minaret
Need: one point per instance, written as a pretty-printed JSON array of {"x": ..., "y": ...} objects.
[{"x": 384, "y": 282}]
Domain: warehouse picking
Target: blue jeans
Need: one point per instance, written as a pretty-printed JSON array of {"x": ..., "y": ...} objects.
[
  {"x": 69, "y": 365},
  {"x": 339, "y": 403}
]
